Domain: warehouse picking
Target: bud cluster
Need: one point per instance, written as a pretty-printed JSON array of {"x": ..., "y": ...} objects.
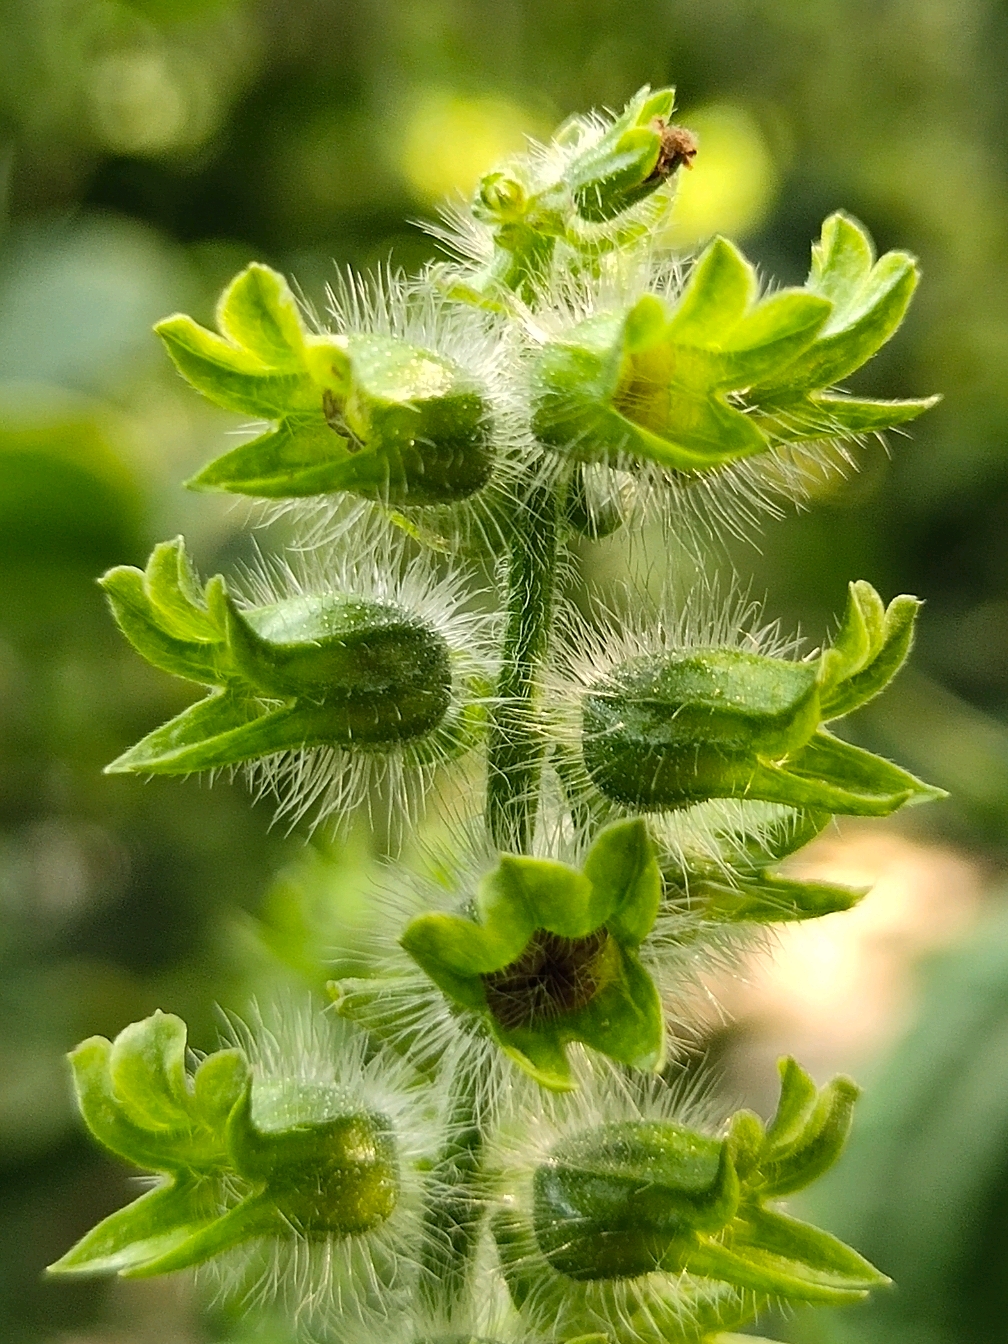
[{"x": 471, "y": 1144}]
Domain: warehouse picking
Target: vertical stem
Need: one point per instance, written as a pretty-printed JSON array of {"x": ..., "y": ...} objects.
[
  {"x": 514, "y": 758},
  {"x": 454, "y": 1210}
]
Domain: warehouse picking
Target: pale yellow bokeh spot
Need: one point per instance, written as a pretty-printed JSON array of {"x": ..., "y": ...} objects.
[
  {"x": 733, "y": 182},
  {"x": 448, "y": 142}
]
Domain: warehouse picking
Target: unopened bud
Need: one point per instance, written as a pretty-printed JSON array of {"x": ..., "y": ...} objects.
[{"x": 615, "y": 1201}]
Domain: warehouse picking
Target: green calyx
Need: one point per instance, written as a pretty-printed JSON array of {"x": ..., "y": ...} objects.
[
  {"x": 551, "y": 956},
  {"x": 634, "y": 1198},
  {"x": 366, "y": 413},
  {"x": 236, "y": 1164},
  {"x": 665, "y": 731},
  {"x": 306, "y": 671},
  {"x": 723, "y": 375}
]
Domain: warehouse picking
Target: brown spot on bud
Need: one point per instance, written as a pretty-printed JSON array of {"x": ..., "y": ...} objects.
[{"x": 678, "y": 147}]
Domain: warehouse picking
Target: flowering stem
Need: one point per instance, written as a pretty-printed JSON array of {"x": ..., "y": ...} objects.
[
  {"x": 452, "y": 1216},
  {"x": 516, "y": 744}
]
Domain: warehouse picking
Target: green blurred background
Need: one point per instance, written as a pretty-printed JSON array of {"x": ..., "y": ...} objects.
[{"x": 147, "y": 151}]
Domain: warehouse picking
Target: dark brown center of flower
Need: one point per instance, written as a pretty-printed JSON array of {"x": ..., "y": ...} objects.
[{"x": 552, "y": 976}]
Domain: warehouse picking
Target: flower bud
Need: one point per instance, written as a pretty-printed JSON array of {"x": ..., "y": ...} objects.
[
  {"x": 650, "y": 381},
  {"x": 613, "y": 1202},
  {"x": 293, "y": 1153},
  {"x": 367, "y": 412},
  {"x": 631, "y": 1226},
  {"x": 698, "y": 379},
  {"x": 672, "y": 728},
  {"x": 338, "y": 1174},
  {"x": 634, "y": 156},
  {"x": 551, "y": 956},
  {"x": 378, "y": 675},
  {"x": 349, "y": 672}
]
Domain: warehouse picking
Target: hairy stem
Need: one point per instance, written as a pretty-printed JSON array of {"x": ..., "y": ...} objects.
[
  {"x": 514, "y": 759},
  {"x": 454, "y": 1210}
]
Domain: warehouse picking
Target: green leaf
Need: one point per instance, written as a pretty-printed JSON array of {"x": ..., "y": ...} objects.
[
  {"x": 152, "y": 634},
  {"x": 136, "y": 1097},
  {"x": 255, "y": 1216},
  {"x": 799, "y": 418},
  {"x": 304, "y": 456},
  {"x": 221, "y": 730},
  {"x": 258, "y": 312},
  {"x": 847, "y": 684},
  {"x": 231, "y": 377},
  {"x": 769, "y": 899},
  {"x": 176, "y": 594},
  {"x": 793, "y": 1166},
  {"x": 804, "y": 1244},
  {"x": 626, "y": 881},
  {"x": 772, "y": 1274},
  {"x": 798, "y": 1096},
  {"x": 148, "y": 1075}
]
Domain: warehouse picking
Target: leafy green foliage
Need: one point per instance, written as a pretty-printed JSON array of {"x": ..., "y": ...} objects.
[{"x": 550, "y": 956}]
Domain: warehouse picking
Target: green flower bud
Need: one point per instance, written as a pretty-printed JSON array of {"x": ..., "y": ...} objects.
[
  {"x": 669, "y": 729},
  {"x": 719, "y": 374},
  {"x": 370, "y": 413},
  {"x": 292, "y": 1163},
  {"x": 653, "y": 1221},
  {"x": 551, "y": 956},
  {"x": 612, "y": 1202},
  {"x": 300, "y": 1169},
  {"x": 331, "y": 669},
  {"x": 338, "y": 1175},
  {"x": 634, "y": 156}
]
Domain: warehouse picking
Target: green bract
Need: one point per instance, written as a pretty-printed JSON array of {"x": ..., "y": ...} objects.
[
  {"x": 237, "y": 1162},
  {"x": 550, "y": 956},
  {"x": 307, "y": 671},
  {"x": 631, "y": 1199},
  {"x": 367, "y": 413},
  {"x": 667, "y": 730},
  {"x": 722, "y": 374}
]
